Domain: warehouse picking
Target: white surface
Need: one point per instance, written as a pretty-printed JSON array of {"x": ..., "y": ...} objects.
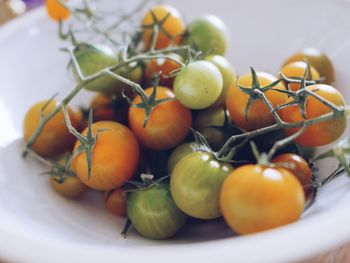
[{"x": 39, "y": 226}]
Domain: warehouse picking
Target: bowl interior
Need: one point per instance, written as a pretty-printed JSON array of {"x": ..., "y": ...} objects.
[{"x": 263, "y": 34}]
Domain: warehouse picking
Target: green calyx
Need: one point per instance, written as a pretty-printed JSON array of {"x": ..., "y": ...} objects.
[
  {"x": 60, "y": 172},
  {"x": 87, "y": 143},
  {"x": 256, "y": 92},
  {"x": 148, "y": 103},
  {"x": 299, "y": 97}
]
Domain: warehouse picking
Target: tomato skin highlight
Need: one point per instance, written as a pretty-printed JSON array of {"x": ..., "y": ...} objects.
[
  {"x": 318, "y": 60},
  {"x": 114, "y": 159},
  {"x": 56, "y": 11},
  {"x": 115, "y": 202},
  {"x": 198, "y": 85},
  {"x": 55, "y": 138},
  {"x": 299, "y": 167},
  {"x": 174, "y": 26},
  {"x": 168, "y": 125},
  {"x": 195, "y": 184},
  {"x": 255, "y": 198},
  {"x": 322, "y": 133},
  {"x": 153, "y": 212},
  {"x": 259, "y": 115}
]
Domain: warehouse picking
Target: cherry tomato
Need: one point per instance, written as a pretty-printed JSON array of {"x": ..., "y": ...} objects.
[
  {"x": 297, "y": 70},
  {"x": 322, "y": 133},
  {"x": 55, "y": 138},
  {"x": 165, "y": 66},
  {"x": 228, "y": 74},
  {"x": 92, "y": 59},
  {"x": 318, "y": 60},
  {"x": 153, "y": 212},
  {"x": 298, "y": 166},
  {"x": 71, "y": 187},
  {"x": 56, "y": 10},
  {"x": 114, "y": 158},
  {"x": 174, "y": 26},
  {"x": 198, "y": 85},
  {"x": 195, "y": 184},
  {"x": 255, "y": 198},
  {"x": 259, "y": 115},
  {"x": 180, "y": 152},
  {"x": 169, "y": 122},
  {"x": 67, "y": 185},
  {"x": 106, "y": 109},
  {"x": 211, "y": 117},
  {"x": 208, "y": 34},
  {"x": 115, "y": 202}
]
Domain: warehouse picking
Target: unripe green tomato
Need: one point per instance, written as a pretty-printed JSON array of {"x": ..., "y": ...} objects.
[
  {"x": 195, "y": 184},
  {"x": 178, "y": 153},
  {"x": 153, "y": 213},
  {"x": 213, "y": 116},
  {"x": 208, "y": 34},
  {"x": 198, "y": 85},
  {"x": 92, "y": 59},
  {"x": 228, "y": 73}
]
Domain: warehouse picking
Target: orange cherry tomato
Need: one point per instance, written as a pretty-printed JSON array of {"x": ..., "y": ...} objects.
[
  {"x": 71, "y": 186},
  {"x": 55, "y": 138},
  {"x": 173, "y": 25},
  {"x": 297, "y": 70},
  {"x": 115, "y": 202},
  {"x": 298, "y": 166},
  {"x": 259, "y": 115},
  {"x": 104, "y": 110},
  {"x": 255, "y": 198},
  {"x": 169, "y": 123},
  {"x": 322, "y": 133},
  {"x": 318, "y": 60},
  {"x": 114, "y": 158},
  {"x": 56, "y": 10},
  {"x": 165, "y": 66}
]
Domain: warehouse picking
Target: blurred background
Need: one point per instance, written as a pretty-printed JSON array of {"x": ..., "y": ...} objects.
[{"x": 12, "y": 8}]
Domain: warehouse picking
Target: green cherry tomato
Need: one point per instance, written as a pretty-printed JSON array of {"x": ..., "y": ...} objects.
[
  {"x": 211, "y": 117},
  {"x": 93, "y": 58},
  {"x": 195, "y": 184},
  {"x": 153, "y": 212},
  {"x": 228, "y": 73},
  {"x": 208, "y": 34},
  {"x": 178, "y": 153},
  {"x": 198, "y": 85}
]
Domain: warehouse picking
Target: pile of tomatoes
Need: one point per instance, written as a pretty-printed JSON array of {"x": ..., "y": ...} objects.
[{"x": 205, "y": 95}]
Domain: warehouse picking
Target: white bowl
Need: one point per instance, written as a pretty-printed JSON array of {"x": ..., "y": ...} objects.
[{"x": 39, "y": 226}]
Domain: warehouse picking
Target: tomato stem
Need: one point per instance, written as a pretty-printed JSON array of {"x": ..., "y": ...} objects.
[{"x": 125, "y": 230}]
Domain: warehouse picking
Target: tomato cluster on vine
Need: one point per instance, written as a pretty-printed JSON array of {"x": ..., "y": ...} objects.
[{"x": 177, "y": 78}]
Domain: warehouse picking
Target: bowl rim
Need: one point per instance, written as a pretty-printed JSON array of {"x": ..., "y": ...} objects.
[{"x": 279, "y": 244}]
